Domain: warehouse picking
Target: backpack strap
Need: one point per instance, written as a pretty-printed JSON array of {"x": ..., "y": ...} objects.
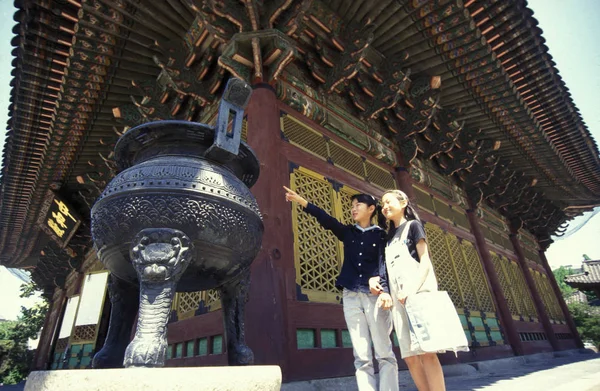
[{"x": 405, "y": 231}]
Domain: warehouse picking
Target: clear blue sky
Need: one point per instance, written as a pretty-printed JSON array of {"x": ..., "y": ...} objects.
[{"x": 571, "y": 28}]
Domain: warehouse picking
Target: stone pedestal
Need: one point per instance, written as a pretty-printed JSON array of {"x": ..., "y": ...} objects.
[{"x": 248, "y": 378}]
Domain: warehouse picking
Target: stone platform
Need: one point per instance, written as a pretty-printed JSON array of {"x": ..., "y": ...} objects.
[
  {"x": 250, "y": 378},
  {"x": 571, "y": 370}
]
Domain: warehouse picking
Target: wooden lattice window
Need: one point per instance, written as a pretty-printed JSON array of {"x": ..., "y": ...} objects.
[
  {"x": 310, "y": 140},
  {"x": 442, "y": 263},
  {"x": 553, "y": 300},
  {"x": 304, "y": 137},
  {"x": 547, "y": 294},
  {"x": 505, "y": 283},
  {"x": 187, "y": 303},
  {"x": 318, "y": 253},
  {"x": 464, "y": 280},
  {"x": 380, "y": 177},
  {"x": 477, "y": 276},
  {"x": 514, "y": 288},
  {"x": 84, "y": 333},
  {"x": 459, "y": 270},
  {"x": 523, "y": 293},
  {"x": 347, "y": 160}
]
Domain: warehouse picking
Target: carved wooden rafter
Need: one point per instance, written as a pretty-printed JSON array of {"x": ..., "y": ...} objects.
[
  {"x": 338, "y": 62},
  {"x": 258, "y": 56},
  {"x": 187, "y": 73},
  {"x": 255, "y": 34},
  {"x": 338, "y": 59},
  {"x": 441, "y": 136},
  {"x": 378, "y": 88}
]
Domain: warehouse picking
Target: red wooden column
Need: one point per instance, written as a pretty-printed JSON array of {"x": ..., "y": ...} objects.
[
  {"x": 503, "y": 311},
  {"x": 537, "y": 300},
  {"x": 266, "y": 311},
  {"x": 51, "y": 324},
  {"x": 561, "y": 300},
  {"x": 405, "y": 182},
  {"x": 403, "y": 178}
]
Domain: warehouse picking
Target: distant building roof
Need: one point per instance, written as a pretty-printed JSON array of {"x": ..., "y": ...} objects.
[
  {"x": 576, "y": 297},
  {"x": 588, "y": 278}
]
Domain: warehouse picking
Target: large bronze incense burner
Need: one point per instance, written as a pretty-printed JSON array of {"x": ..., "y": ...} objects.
[{"x": 179, "y": 217}]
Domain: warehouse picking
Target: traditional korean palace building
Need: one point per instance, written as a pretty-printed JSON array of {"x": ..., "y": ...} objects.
[{"x": 456, "y": 102}]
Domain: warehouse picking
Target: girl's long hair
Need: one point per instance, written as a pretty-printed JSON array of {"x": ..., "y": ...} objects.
[
  {"x": 409, "y": 212},
  {"x": 370, "y": 200}
]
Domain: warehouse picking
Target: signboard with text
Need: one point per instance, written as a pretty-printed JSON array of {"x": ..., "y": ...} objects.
[{"x": 59, "y": 220}]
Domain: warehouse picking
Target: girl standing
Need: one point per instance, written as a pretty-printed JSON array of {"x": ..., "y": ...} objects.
[
  {"x": 368, "y": 328},
  {"x": 406, "y": 271}
]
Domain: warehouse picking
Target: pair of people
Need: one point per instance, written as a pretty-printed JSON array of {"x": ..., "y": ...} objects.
[{"x": 371, "y": 256}]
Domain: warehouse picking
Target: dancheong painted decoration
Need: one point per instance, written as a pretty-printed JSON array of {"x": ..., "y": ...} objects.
[{"x": 457, "y": 103}]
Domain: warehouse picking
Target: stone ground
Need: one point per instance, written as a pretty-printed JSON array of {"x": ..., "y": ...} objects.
[
  {"x": 569, "y": 371},
  {"x": 563, "y": 371}
]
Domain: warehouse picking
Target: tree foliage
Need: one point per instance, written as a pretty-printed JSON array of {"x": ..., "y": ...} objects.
[
  {"x": 15, "y": 358},
  {"x": 560, "y": 275},
  {"x": 587, "y": 320}
]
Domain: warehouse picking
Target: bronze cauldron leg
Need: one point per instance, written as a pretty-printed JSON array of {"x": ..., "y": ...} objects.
[
  {"x": 234, "y": 296},
  {"x": 160, "y": 256},
  {"x": 124, "y": 307}
]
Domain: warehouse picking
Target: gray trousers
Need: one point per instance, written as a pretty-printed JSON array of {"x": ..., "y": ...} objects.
[{"x": 369, "y": 329}]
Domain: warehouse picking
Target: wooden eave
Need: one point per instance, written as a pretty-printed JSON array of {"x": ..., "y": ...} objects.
[
  {"x": 542, "y": 135},
  {"x": 75, "y": 62}
]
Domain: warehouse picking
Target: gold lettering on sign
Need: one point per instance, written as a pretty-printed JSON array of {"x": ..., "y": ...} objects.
[
  {"x": 59, "y": 232},
  {"x": 64, "y": 209}
]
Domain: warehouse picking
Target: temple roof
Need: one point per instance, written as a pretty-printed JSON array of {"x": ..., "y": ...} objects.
[
  {"x": 588, "y": 278},
  {"x": 78, "y": 61}
]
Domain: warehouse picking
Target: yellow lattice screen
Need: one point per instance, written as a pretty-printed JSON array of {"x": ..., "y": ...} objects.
[
  {"x": 514, "y": 287},
  {"x": 442, "y": 263},
  {"x": 523, "y": 294},
  {"x": 186, "y": 303},
  {"x": 553, "y": 303},
  {"x": 303, "y": 137},
  {"x": 547, "y": 294},
  {"x": 318, "y": 255},
  {"x": 313, "y": 142},
  {"x": 465, "y": 288},
  {"x": 379, "y": 176},
  {"x": 459, "y": 270},
  {"x": 345, "y": 194},
  {"x": 349, "y": 161},
  {"x": 507, "y": 288},
  {"x": 477, "y": 276}
]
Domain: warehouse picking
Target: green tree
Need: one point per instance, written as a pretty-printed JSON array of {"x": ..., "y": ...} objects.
[
  {"x": 587, "y": 320},
  {"x": 15, "y": 359},
  {"x": 560, "y": 275}
]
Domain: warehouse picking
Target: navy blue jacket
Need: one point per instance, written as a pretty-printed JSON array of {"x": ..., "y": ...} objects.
[{"x": 363, "y": 249}]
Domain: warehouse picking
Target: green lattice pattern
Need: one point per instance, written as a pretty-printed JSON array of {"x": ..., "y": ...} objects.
[
  {"x": 505, "y": 284},
  {"x": 442, "y": 263},
  {"x": 478, "y": 278},
  {"x": 318, "y": 258},
  {"x": 522, "y": 291}
]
